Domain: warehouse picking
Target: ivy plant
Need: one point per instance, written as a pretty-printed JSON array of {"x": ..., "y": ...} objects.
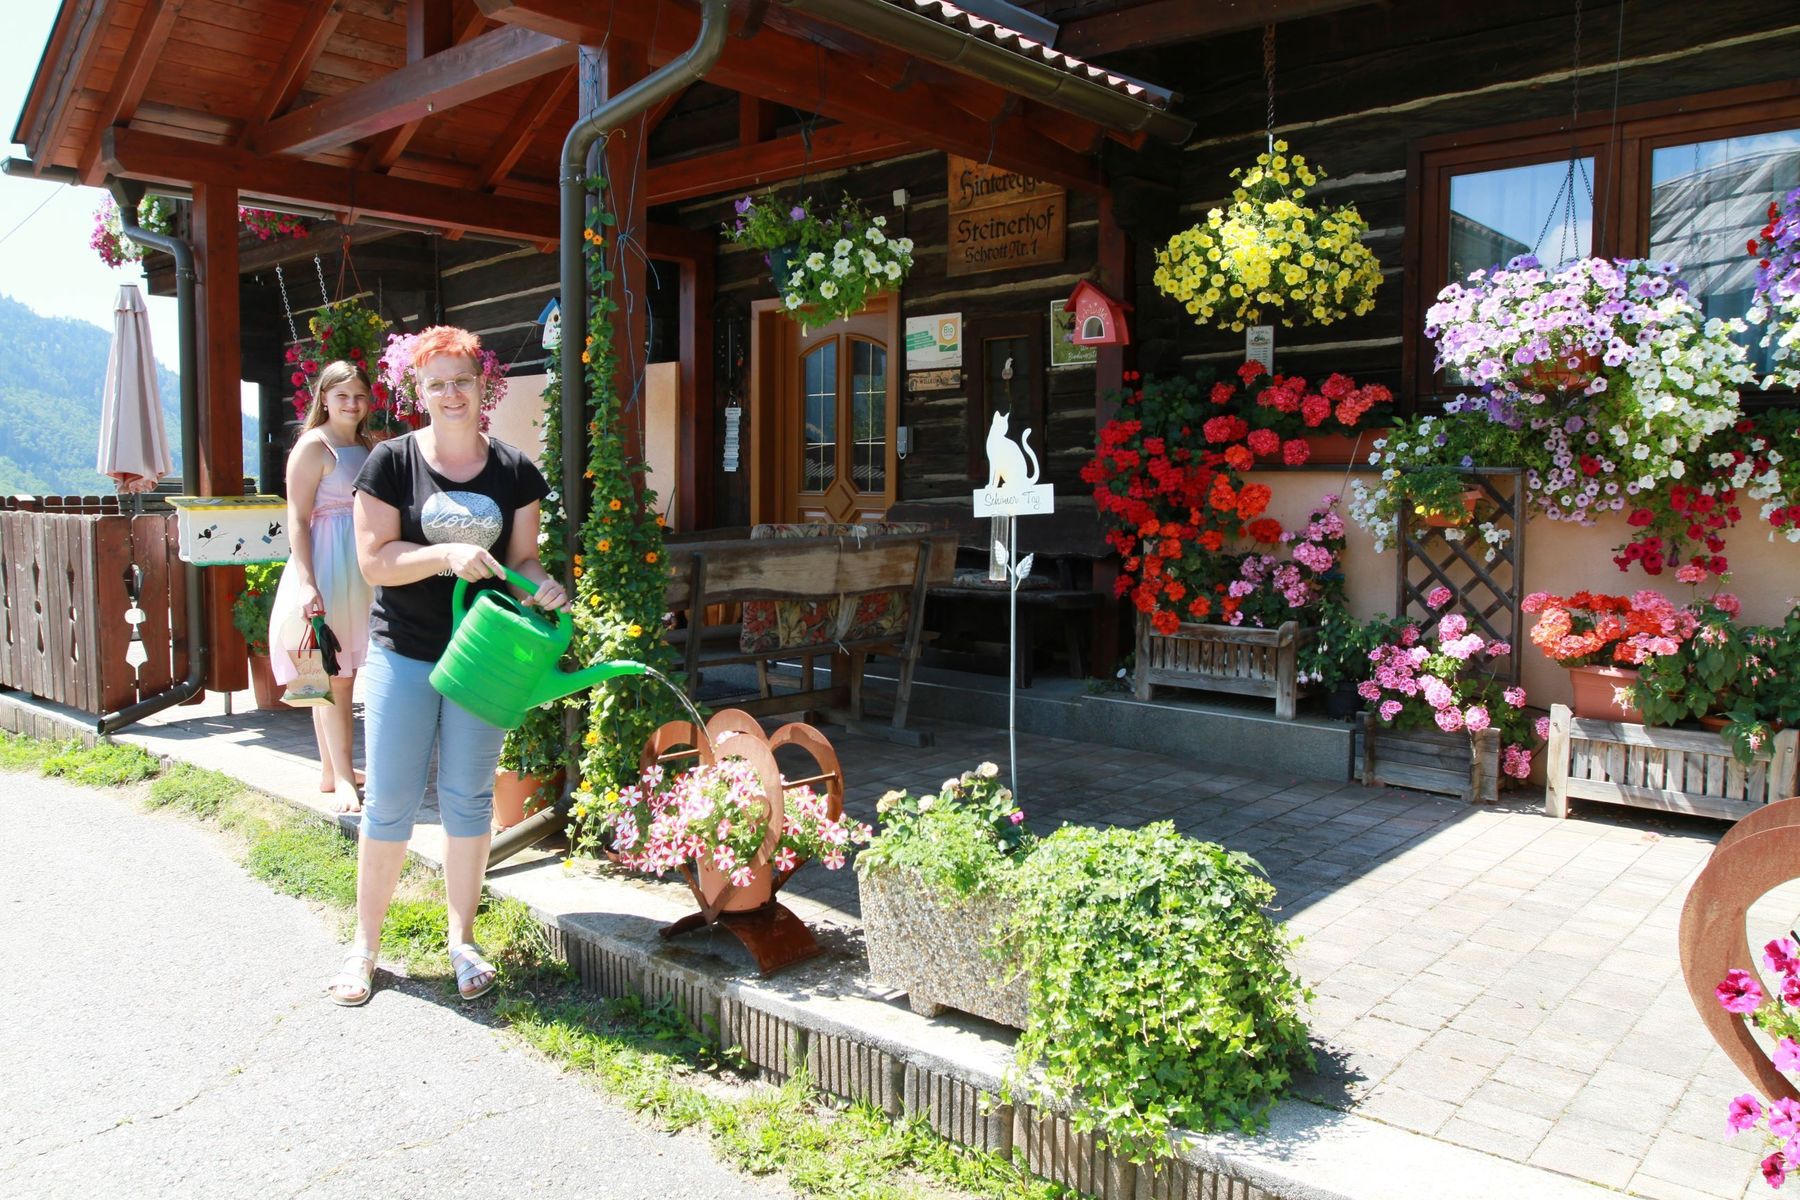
[{"x": 1161, "y": 994}]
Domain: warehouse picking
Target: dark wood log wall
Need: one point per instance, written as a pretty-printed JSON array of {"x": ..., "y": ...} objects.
[{"x": 1355, "y": 89}]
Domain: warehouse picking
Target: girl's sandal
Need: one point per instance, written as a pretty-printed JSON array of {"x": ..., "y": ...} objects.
[
  {"x": 351, "y": 987},
  {"x": 470, "y": 965}
]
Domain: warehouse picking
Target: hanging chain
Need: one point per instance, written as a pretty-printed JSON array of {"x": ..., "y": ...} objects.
[
  {"x": 1564, "y": 201},
  {"x": 286, "y": 308},
  {"x": 324, "y": 296},
  {"x": 1269, "y": 79}
]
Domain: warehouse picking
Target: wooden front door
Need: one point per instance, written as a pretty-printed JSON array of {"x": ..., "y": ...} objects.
[{"x": 833, "y": 420}]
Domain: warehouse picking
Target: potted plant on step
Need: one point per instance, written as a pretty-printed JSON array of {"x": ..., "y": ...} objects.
[
  {"x": 1602, "y": 640},
  {"x": 250, "y": 617},
  {"x": 533, "y": 764},
  {"x": 929, "y": 884},
  {"x": 1336, "y": 660}
]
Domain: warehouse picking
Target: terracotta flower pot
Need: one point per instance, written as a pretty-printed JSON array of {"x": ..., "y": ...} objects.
[
  {"x": 1555, "y": 375},
  {"x": 1448, "y": 520},
  {"x": 1714, "y": 722},
  {"x": 1595, "y": 693},
  {"x": 1342, "y": 449},
  {"x": 517, "y": 796},
  {"x": 759, "y": 892},
  {"x": 262, "y": 684}
]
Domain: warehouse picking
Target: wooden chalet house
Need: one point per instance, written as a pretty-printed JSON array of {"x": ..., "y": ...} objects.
[{"x": 427, "y": 136}]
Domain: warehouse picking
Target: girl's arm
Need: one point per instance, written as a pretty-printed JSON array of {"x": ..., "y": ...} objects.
[
  {"x": 307, "y": 465},
  {"x": 386, "y": 561},
  {"x": 522, "y": 556}
]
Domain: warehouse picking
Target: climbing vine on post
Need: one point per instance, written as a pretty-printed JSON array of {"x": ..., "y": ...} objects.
[{"x": 619, "y": 574}]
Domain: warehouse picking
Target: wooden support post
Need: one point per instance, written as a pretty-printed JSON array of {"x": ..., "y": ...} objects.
[
  {"x": 1113, "y": 268},
  {"x": 215, "y": 225},
  {"x": 605, "y": 72},
  {"x": 1556, "y": 763}
]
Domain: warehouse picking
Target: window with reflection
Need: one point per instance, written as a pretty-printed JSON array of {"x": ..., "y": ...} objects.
[
  {"x": 1545, "y": 210},
  {"x": 1704, "y": 197},
  {"x": 868, "y": 415},
  {"x": 818, "y": 416}
]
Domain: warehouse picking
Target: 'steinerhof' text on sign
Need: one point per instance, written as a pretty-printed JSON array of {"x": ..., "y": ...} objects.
[{"x": 1001, "y": 219}]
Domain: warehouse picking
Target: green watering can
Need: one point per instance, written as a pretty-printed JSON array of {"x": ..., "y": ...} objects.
[{"x": 502, "y": 659}]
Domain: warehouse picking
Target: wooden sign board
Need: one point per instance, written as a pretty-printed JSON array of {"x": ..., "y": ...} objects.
[
  {"x": 1001, "y": 219},
  {"x": 934, "y": 381}
]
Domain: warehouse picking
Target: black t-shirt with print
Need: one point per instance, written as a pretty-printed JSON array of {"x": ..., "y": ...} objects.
[{"x": 414, "y": 618}]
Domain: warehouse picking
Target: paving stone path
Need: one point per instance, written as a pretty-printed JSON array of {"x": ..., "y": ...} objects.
[{"x": 166, "y": 1035}]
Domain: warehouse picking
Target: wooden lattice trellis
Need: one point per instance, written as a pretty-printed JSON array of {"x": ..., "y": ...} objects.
[{"x": 1487, "y": 593}]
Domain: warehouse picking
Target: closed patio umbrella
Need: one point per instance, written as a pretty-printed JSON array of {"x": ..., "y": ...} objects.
[{"x": 134, "y": 450}]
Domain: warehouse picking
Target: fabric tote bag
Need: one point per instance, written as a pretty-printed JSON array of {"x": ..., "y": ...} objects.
[{"x": 312, "y": 686}]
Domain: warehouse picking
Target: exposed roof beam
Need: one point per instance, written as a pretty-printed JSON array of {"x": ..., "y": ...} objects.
[
  {"x": 1163, "y": 21},
  {"x": 806, "y": 76},
  {"x": 427, "y": 33},
  {"x": 490, "y": 63},
  {"x": 768, "y": 162},
  {"x": 158, "y": 158},
  {"x": 290, "y": 76},
  {"x": 131, "y": 78},
  {"x": 89, "y": 24},
  {"x": 661, "y": 109},
  {"x": 546, "y": 100},
  {"x": 756, "y": 120}
]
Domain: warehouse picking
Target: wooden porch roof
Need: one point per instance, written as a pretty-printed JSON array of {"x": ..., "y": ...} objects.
[{"x": 451, "y": 113}]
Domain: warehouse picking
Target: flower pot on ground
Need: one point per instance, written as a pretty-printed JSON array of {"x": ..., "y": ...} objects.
[
  {"x": 1342, "y": 702},
  {"x": 262, "y": 684},
  {"x": 517, "y": 796},
  {"x": 1602, "y": 694}
]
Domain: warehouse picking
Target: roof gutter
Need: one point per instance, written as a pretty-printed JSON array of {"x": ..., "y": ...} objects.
[
  {"x": 919, "y": 35},
  {"x": 127, "y": 195},
  {"x": 613, "y": 112}
]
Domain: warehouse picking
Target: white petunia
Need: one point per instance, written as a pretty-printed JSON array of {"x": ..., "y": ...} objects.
[
  {"x": 842, "y": 248},
  {"x": 828, "y": 289},
  {"x": 815, "y": 261}
]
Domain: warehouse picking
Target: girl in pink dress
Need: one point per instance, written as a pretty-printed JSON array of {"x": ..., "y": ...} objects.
[{"x": 322, "y": 575}]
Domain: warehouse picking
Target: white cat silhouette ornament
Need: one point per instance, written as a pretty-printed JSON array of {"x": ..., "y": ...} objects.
[{"x": 1013, "y": 488}]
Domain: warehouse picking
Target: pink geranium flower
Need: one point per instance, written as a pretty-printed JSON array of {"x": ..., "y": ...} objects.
[
  {"x": 1439, "y": 596},
  {"x": 1739, "y": 993}
]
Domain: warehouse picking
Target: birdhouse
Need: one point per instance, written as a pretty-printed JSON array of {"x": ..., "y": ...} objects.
[
  {"x": 220, "y": 531},
  {"x": 1099, "y": 319}
]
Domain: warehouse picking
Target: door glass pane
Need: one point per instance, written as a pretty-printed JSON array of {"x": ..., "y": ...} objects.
[
  {"x": 1545, "y": 210},
  {"x": 818, "y": 415},
  {"x": 868, "y": 396},
  {"x": 1706, "y": 200}
]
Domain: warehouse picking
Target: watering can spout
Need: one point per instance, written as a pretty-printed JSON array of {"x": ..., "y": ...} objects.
[{"x": 557, "y": 684}]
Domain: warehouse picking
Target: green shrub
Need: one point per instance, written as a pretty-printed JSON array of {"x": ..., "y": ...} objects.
[
  {"x": 1161, "y": 995},
  {"x": 959, "y": 839},
  {"x": 193, "y": 790},
  {"x": 107, "y": 764}
]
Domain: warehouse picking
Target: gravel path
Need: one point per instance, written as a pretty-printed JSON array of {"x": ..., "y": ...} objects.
[{"x": 166, "y": 1035}]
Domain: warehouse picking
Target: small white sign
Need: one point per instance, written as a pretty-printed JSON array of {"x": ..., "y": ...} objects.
[
  {"x": 733, "y": 418},
  {"x": 1032, "y": 500},
  {"x": 934, "y": 342},
  {"x": 1259, "y": 346}
]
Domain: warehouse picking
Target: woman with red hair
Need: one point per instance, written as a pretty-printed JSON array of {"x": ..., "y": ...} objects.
[{"x": 445, "y": 503}]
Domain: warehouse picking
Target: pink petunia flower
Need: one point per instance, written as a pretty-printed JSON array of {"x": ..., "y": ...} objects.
[
  {"x": 1784, "y": 1118},
  {"x": 1743, "y": 1114},
  {"x": 1780, "y": 955},
  {"x": 1739, "y": 993},
  {"x": 1774, "y": 1170},
  {"x": 1787, "y": 1055}
]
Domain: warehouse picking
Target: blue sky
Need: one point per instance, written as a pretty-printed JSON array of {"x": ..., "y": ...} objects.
[{"x": 46, "y": 263}]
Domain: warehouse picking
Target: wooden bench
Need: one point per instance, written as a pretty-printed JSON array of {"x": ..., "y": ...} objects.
[
  {"x": 1067, "y": 545},
  {"x": 704, "y": 574}
]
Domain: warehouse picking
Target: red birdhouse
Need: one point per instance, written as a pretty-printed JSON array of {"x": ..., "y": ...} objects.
[{"x": 1099, "y": 319}]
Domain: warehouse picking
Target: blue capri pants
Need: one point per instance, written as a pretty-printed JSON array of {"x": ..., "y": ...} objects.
[{"x": 404, "y": 716}]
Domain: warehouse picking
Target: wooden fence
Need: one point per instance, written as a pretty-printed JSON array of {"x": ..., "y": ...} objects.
[{"x": 66, "y": 566}]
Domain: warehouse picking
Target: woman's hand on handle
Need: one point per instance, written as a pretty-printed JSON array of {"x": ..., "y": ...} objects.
[
  {"x": 468, "y": 561},
  {"x": 549, "y": 595}
]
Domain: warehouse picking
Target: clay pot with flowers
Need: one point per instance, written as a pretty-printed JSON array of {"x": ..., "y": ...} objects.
[{"x": 1602, "y": 640}]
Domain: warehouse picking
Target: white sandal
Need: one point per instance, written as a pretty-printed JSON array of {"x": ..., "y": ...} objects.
[
  {"x": 469, "y": 963},
  {"x": 347, "y": 978}
]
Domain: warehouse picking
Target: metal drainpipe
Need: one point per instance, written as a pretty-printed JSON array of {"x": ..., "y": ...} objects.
[
  {"x": 665, "y": 81},
  {"x": 127, "y": 196}
]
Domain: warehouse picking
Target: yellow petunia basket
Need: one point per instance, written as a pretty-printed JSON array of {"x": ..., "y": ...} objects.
[{"x": 1269, "y": 257}]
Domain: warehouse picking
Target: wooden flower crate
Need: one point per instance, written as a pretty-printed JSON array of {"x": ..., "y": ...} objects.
[
  {"x": 1223, "y": 658},
  {"x": 1674, "y": 770},
  {"x": 1451, "y": 764}
]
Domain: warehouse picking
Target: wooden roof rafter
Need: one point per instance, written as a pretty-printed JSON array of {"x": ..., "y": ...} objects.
[
  {"x": 546, "y": 99},
  {"x": 303, "y": 52},
  {"x": 805, "y": 75},
  {"x": 427, "y": 33},
  {"x": 154, "y": 25}
]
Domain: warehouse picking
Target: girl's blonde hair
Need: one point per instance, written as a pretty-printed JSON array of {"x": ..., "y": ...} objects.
[{"x": 335, "y": 374}]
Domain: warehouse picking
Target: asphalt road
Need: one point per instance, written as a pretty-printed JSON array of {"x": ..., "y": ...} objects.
[{"x": 164, "y": 1033}]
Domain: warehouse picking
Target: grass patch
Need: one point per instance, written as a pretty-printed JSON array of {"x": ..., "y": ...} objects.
[
  {"x": 19, "y": 753},
  {"x": 193, "y": 790},
  {"x": 107, "y": 764},
  {"x": 309, "y": 860}
]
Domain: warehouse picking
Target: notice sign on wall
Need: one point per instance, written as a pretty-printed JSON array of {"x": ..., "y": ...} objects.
[
  {"x": 934, "y": 342},
  {"x": 1000, "y": 219}
]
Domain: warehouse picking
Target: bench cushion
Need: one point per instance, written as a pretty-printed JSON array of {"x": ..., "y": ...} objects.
[{"x": 784, "y": 624}]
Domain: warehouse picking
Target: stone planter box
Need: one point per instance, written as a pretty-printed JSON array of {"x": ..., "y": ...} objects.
[
  {"x": 1223, "y": 658},
  {"x": 931, "y": 950},
  {"x": 1450, "y": 764}
]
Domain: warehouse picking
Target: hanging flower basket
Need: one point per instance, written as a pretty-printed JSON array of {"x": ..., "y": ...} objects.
[
  {"x": 352, "y": 331},
  {"x": 398, "y": 381},
  {"x": 1269, "y": 256},
  {"x": 1776, "y": 300},
  {"x": 824, "y": 267}
]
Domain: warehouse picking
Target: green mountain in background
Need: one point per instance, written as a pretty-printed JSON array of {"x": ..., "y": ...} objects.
[{"x": 52, "y": 375}]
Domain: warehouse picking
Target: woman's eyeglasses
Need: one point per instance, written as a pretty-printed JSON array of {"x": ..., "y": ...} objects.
[{"x": 439, "y": 388}]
